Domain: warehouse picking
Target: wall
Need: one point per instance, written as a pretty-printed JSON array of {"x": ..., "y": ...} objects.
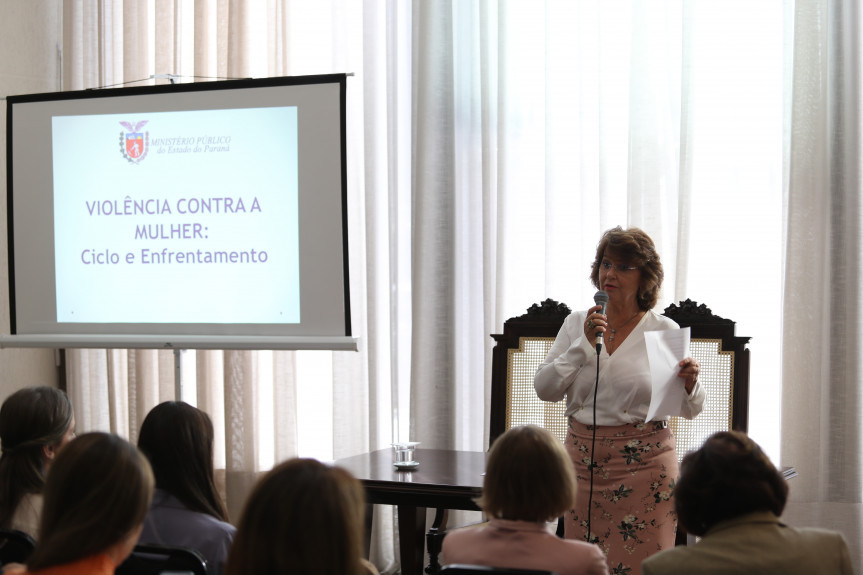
[{"x": 30, "y": 33}]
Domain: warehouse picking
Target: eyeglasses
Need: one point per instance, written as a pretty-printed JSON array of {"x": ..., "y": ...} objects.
[{"x": 618, "y": 267}]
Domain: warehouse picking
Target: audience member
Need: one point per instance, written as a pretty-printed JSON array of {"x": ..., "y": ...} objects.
[
  {"x": 96, "y": 496},
  {"x": 529, "y": 481},
  {"x": 302, "y": 517},
  {"x": 187, "y": 510},
  {"x": 731, "y": 495},
  {"x": 35, "y": 422}
]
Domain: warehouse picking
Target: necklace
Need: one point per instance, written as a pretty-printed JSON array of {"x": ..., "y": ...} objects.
[{"x": 614, "y": 331}]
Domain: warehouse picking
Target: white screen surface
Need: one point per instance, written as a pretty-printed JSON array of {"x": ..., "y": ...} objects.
[{"x": 210, "y": 216}]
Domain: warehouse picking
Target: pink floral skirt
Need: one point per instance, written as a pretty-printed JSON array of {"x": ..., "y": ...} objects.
[{"x": 636, "y": 469}]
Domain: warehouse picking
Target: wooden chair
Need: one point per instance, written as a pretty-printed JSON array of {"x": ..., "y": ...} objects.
[
  {"x": 724, "y": 360},
  {"x": 158, "y": 559},
  {"x": 15, "y": 546},
  {"x": 518, "y": 351},
  {"x": 459, "y": 569},
  {"x": 525, "y": 342}
]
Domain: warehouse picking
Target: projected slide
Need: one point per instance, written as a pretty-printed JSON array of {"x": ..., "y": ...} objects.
[{"x": 177, "y": 217}]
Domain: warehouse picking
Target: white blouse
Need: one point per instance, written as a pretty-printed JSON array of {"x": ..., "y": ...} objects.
[{"x": 623, "y": 395}]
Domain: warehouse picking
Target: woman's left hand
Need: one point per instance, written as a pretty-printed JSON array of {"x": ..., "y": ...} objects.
[{"x": 689, "y": 368}]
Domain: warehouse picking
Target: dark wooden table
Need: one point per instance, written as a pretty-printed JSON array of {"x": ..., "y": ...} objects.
[{"x": 444, "y": 480}]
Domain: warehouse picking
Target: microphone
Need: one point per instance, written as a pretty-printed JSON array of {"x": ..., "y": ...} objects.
[{"x": 600, "y": 298}]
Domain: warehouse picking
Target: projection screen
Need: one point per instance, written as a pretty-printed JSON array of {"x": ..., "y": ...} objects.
[{"x": 206, "y": 215}]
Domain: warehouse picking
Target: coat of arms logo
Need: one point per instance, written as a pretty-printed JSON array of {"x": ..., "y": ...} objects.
[{"x": 134, "y": 143}]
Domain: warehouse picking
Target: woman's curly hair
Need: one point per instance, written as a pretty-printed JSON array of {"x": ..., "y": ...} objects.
[{"x": 634, "y": 247}]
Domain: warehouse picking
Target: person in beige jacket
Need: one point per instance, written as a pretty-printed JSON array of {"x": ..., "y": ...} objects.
[{"x": 731, "y": 495}]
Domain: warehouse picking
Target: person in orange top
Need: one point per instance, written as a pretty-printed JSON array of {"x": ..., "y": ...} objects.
[{"x": 96, "y": 496}]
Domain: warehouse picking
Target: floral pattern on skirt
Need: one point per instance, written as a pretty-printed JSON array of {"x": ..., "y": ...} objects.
[{"x": 636, "y": 469}]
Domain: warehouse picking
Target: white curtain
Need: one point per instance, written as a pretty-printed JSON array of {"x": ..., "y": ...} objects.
[
  {"x": 537, "y": 126},
  {"x": 489, "y": 145},
  {"x": 822, "y": 339}
]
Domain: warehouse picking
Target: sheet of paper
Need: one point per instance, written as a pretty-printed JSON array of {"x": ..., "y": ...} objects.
[{"x": 665, "y": 349}]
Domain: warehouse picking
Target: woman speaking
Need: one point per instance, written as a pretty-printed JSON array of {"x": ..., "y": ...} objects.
[{"x": 634, "y": 461}]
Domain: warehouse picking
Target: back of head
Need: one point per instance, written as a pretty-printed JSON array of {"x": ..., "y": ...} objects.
[
  {"x": 302, "y": 517},
  {"x": 529, "y": 476},
  {"x": 178, "y": 440},
  {"x": 97, "y": 493},
  {"x": 30, "y": 420},
  {"x": 729, "y": 476}
]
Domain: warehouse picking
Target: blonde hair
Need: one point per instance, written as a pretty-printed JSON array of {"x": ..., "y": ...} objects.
[{"x": 529, "y": 476}]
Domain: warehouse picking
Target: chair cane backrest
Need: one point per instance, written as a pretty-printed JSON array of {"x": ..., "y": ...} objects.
[
  {"x": 519, "y": 350},
  {"x": 525, "y": 342},
  {"x": 724, "y": 360}
]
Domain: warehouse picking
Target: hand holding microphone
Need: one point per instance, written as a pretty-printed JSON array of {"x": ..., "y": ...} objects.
[{"x": 590, "y": 328}]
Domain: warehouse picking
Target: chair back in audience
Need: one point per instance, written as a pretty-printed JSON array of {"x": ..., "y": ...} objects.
[
  {"x": 158, "y": 559},
  {"x": 458, "y": 569},
  {"x": 525, "y": 342},
  {"x": 15, "y": 546}
]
